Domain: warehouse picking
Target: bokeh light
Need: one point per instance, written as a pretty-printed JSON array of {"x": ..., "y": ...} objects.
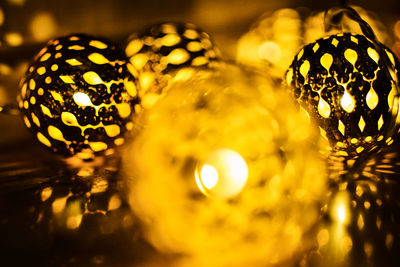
[{"x": 226, "y": 171}]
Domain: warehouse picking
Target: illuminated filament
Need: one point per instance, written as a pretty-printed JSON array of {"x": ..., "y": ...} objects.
[
  {"x": 340, "y": 211},
  {"x": 222, "y": 175},
  {"x": 347, "y": 102},
  {"x": 82, "y": 99}
]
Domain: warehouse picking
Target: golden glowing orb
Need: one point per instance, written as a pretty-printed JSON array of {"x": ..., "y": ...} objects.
[
  {"x": 222, "y": 175},
  {"x": 225, "y": 170}
]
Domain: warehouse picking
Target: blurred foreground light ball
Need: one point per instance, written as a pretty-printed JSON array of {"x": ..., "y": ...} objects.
[
  {"x": 226, "y": 171},
  {"x": 162, "y": 50},
  {"x": 77, "y": 96},
  {"x": 349, "y": 88}
]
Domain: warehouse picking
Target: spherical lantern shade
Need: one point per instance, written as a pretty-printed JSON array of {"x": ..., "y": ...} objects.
[
  {"x": 162, "y": 50},
  {"x": 77, "y": 96},
  {"x": 349, "y": 87},
  {"x": 218, "y": 172}
]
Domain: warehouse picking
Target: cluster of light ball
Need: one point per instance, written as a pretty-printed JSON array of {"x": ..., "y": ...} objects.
[
  {"x": 77, "y": 96},
  {"x": 162, "y": 50},
  {"x": 226, "y": 171},
  {"x": 347, "y": 86}
]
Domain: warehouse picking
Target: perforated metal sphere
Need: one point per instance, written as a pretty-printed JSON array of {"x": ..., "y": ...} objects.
[
  {"x": 77, "y": 96},
  {"x": 161, "y": 50},
  {"x": 349, "y": 89}
]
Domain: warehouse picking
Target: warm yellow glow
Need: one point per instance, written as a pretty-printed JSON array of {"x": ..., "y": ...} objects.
[
  {"x": 170, "y": 39},
  {"x": 133, "y": 47},
  {"x": 59, "y": 204},
  {"x": 304, "y": 68},
  {"x": 223, "y": 174},
  {"x": 43, "y": 26},
  {"x": 98, "y": 58},
  {"x": 270, "y": 51},
  {"x": 46, "y": 193},
  {"x": 73, "y": 62},
  {"x": 340, "y": 208},
  {"x": 66, "y": 79},
  {"x": 124, "y": 110},
  {"x": 198, "y": 61},
  {"x": 35, "y": 119},
  {"x": 396, "y": 29},
  {"x": 98, "y": 44},
  {"x": 41, "y": 70},
  {"x": 347, "y": 102},
  {"x": 74, "y": 221},
  {"x": 186, "y": 185},
  {"x": 341, "y": 213},
  {"x": 194, "y": 46},
  {"x": 69, "y": 119},
  {"x": 112, "y": 130},
  {"x": 130, "y": 88},
  {"x": 43, "y": 139},
  {"x": 14, "y": 38},
  {"x": 114, "y": 203},
  {"x": 351, "y": 56},
  {"x": 92, "y": 78},
  {"x": 1, "y": 17},
  {"x": 82, "y": 99},
  {"x": 372, "y": 99},
  {"x": 46, "y": 111},
  {"x": 76, "y": 47},
  {"x": 380, "y": 122},
  {"x": 323, "y": 108},
  {"x": 342, "y": 128},
  {"x": 354, "y": 39},
  {"x": 139, "y": 61},
  {"x": 98, "y": 146},
  {"x": 191, "y": 34},
  {"x": 315, "y": 47},
  {"x": 32, "y": 84},
  {"x": 326, "y": 61},
  {"x": 55, "y": 133},
  {"x": 372, "y": 53},
  {"x": 208, "y": 176},
  {"x": 57, "y": 96},
  {"x": 178, "y": 56},
  {"x": 391, "y": 96},
  {"x": 168, "y": 28},
  {"x": 146, "y": 80}
]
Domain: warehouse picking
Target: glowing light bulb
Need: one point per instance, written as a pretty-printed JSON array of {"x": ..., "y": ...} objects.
[
  {"x": 341, "y": 213},
  {"x": 340, "y": 208},
  {"x": 347, "y": 102},
  {"x": 82, "y": 99},
  {"x": 222, "y": 175}
]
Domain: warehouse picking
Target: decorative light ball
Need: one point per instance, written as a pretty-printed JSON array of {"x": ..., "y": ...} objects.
[
  {"x": 272, "y": 42},
  {"x": 77, "y": 96},
  {"x": 217, "y": 172},
  {"x": 348, "y": 87},
  {"x": 162, "y": 50}
]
